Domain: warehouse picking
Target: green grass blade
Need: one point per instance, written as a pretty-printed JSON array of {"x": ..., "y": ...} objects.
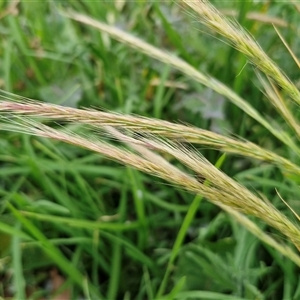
[{"x": 182, "y": 233}]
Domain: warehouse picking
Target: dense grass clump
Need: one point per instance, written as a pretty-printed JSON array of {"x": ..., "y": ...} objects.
[{"x": 107, "y": 192}]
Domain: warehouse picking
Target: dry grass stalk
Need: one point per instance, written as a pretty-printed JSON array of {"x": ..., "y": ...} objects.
[
  {"x": 276, "y": 99},
  {"x": 185, "y": 68},
  {"x": 255, "y": 230},
  {"x": 295, "y": 58},
  {"x": 242, "y": 41},
  {"x": 222, "y": 189},
  {"x": 150, "y": 126},
  {"x": 259, "y": 17},
  {"x": 192, "y": 160}
]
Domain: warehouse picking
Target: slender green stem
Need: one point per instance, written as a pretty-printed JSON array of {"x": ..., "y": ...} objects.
[{"x": 182, "y": 233}]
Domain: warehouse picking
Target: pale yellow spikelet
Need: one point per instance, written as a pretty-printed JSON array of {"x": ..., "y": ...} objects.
[
  {"x": 151, "y": 126},
  {"x": 242, "y": 41}
]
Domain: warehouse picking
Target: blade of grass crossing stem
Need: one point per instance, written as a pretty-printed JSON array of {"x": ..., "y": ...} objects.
[
  {"x": 177, "y": 288},
  {"x": 165, "y": 205},
  {"x": 62, "y": 242},
  {"x": 206, "y": 295},
  {"x": 13, "y": 231},
  {"x": 81, "y": 182},
  {"x": 81, "y": 223},
  {"x": 182, "y": 232},
  {"x": 50, "y": 249},
  {"x": 19, "y": 281},
  {"x": 130, "y": 249}
]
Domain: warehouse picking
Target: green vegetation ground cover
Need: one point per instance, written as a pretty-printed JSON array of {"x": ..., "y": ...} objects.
[{"x": 110, "y": 229}]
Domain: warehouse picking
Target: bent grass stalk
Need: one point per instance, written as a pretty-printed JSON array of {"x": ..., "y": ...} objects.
[
  {"x": 243, "y": 42},
  {"x": 187, "y": 69},
  {"x": 221, "y": 189},
  {"x": 166, "y": 129},
  {"x": 276, "y": 99}
]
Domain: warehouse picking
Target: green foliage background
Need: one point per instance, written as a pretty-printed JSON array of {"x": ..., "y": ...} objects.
[{"x": 110, "y": 229}]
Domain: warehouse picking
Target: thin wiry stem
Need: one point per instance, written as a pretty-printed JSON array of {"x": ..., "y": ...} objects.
[{"x": 275, "y": 98}]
